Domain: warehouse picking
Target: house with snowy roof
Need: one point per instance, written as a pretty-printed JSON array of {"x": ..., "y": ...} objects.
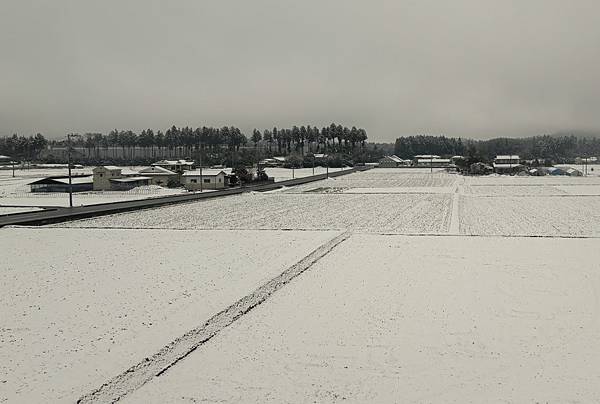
[
  {"x": 393, "y": 161},
  {"x": 207, "y": 178},
  {"x": 439, "y": 162},
  {"x": 180, "y": 165},
  {"x": 508, "y": 164},
  {"x": 160, "y": 176},
  {"x": 113, "y": 178}
]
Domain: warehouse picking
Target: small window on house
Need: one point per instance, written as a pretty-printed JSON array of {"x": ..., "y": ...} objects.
[
  {"x": 101, "y": 175},
  {"x": 194, "y": 181},
  {"x": 207, "y": 180},
  {"x": 219, "y": 179}
]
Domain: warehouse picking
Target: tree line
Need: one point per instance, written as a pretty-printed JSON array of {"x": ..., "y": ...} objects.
[
  {"x": 186, "y": 141},
  {"x": 558, "y": 148},
  {"x": 23, "y": 146}
]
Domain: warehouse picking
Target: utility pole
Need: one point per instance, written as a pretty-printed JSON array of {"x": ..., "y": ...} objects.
[
  {"x": 313, "y": 164},
  {"x": 363, "y": 154},
  {"x": 69, "y": 166},
  {"x": 201, "y": 180},
  {"x": 431, "y": 162},
  {"x": 13, "y": 166}
]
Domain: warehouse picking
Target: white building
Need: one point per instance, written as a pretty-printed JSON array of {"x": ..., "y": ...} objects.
[
  {"x": 111, "y": 178},
  {"x": 586, "y": 160},
  {"x": 393, "y": 161},
  {"x": 507, "y": 164},
  {"x": 209, "y": 178},
  {"x": 160, "y": 176},
  {"x": 433, "y": 162},
  {"x": 175, "y": 165}
]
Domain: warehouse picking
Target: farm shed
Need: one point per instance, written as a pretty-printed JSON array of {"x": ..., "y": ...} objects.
[
  {"x": 79, "y": 183},
  {"x": 393, "y": 161},
  {"x": 175, "y": 165},
  {"x": 436, "y": 162},
  {"x": 160, "y": 176},
  {"x": 105, "y": 179},
  {"x": 127, "y": 183}
]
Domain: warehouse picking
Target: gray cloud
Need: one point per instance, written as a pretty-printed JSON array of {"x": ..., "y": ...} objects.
[{"x": 471, "y": 68}]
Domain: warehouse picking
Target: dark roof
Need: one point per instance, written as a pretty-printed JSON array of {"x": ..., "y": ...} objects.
[{"x": 64, "y": 179}]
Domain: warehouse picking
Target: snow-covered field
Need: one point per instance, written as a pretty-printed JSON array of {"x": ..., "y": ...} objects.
[
  {"x": 410, "y": 304},
  {"x": 79, "y": 306},
  {"x": 387, "y": 319},
  {"x": 382, "y": 178},
  {"x": 531, "y": 216},
  {"x": 282, "y": 174},
  {"x": 378, "y": 213},
  {"x": 394, "y": 201}
]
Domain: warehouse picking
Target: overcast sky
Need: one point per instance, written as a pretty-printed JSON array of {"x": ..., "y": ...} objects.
[{"x": 470, "y": 68}]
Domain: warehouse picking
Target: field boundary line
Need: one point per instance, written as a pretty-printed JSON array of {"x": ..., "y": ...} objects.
[
  {"x": 454, "y": 227},
  {"x": 149, "y": 368}
]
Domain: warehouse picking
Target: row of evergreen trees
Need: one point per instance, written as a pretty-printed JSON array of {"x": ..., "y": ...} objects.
[
  {"x": 557, "y": 148},
  {"x": 186, "y": 139},
  {"x": 27, "y": 147}
]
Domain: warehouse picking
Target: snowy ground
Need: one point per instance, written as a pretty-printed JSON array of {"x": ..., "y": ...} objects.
[
  {"x": 7, "y": 210},
  {"x": 282, "y": 174},
  {"x": 384, "y": 319},
  {"x": 377, "y": 213},
  {"x": 395, "y": 201},
  {"x": 86, "y": 304},
  {"x": 438, "y": 288}
]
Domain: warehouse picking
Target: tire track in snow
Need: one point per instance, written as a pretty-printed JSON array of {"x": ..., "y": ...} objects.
[{"x": 141, "y": 373}]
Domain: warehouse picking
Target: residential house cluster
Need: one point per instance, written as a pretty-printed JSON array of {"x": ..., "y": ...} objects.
[
  {"x": 420, "y": 160},
  {"x": 503, "y": 164},
  {"x": 164, "y": 173}
]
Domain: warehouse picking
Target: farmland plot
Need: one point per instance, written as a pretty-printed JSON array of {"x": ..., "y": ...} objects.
[
  {"x": 402, "y": 213},
  {"x": 386, "y": 319},
  {"x": 535, "y": 216},
  {"x": 80, "y": 305},
  {"x": 580, "y": 189},
  {"x": 383, "y": 178},
  {"x": 282, "y": 174},
  {"x": 527, "y": 180},
  {"x": 514, "y": 190}
]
